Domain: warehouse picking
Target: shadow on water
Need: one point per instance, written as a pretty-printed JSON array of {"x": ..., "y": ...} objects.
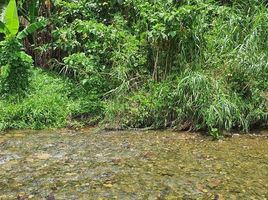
[{"x": 65, "y": 164}]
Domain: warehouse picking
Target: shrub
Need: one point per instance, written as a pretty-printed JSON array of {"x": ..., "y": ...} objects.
[
  {"x": 46, "y": 105},
  {"x": 193, "y": 101},
  {"x": 15, "y": 68}
]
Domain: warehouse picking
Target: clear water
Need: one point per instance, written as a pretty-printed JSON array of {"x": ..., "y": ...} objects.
[{"x": 132, "y": 165}]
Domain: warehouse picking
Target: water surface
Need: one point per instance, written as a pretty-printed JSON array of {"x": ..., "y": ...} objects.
[{"x": 132, "y": 165}]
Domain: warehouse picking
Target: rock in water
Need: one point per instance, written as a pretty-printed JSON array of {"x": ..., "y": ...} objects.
[
  {"x": 50, "y": 197},
  {"x": 22, "y": 196}
]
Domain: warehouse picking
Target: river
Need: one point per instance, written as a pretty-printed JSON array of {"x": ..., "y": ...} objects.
[{"x": 91, "y": 164}]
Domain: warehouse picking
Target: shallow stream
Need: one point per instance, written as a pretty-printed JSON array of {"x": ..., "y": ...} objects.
[{"x": 134, "y": 165}]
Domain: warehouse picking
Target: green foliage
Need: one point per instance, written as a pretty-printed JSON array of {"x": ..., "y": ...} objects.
[
  {"x": 101, "y": 56},
  {"x": 31, "y": 29},
  {"x": 50, "y": 102},
  {"x": 14, "y": 69},
  {"x": 46, "y": 105},
  {"x": 9, "y": 21},
  {"x": 29, "y": 9},
  {"x": 188, "y": 65},
  {"x": 9, "y": 18},
  {"x": 15, "y": 64},
  {"x": 215, "y": 133},
  {"x": 193, "y": 101}
]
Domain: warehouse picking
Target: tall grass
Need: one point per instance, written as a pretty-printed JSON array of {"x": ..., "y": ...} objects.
[{"x": 223, "y": 88}]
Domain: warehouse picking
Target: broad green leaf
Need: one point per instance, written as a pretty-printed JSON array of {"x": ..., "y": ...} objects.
[
  {"x": 31, "y": 28},
  {"x": 11, "y": 18}
]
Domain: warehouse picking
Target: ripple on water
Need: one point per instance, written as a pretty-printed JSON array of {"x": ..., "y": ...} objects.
[{"x": 4, "y": 158}]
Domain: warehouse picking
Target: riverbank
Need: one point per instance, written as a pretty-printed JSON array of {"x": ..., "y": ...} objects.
[
  {"x": 181, "y": 65},
  {"x": 89, "y": 164}
]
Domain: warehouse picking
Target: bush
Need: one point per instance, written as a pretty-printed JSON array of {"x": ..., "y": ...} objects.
[
  {"x": 15, "y": 67},
  {"x": 193, "y": 101},
  {"x": 51, "y": 102},
  {"x": 46, "y": 105}
]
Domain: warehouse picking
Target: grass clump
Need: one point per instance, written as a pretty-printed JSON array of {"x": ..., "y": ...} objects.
[
  {"x": 51, "y": 102},
  {"x": 191, "y": 101},
  {"x": 45, "y": 106}
]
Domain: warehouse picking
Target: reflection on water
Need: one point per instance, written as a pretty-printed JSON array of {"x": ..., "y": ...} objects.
[{"x": 132, "y": 165}]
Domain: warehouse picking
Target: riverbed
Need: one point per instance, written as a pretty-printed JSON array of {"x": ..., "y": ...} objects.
[{"x": 91, "y": 164}]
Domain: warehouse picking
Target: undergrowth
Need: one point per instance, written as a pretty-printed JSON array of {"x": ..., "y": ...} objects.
[
  {"x": 51, "y": 102},
  {"x": 187, "y": 65}
]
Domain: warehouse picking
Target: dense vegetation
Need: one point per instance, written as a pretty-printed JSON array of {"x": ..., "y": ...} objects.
[{"x": 188, "y": 65}]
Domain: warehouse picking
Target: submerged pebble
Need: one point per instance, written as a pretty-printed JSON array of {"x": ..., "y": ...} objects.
[{"x": 132, "y": 165}]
